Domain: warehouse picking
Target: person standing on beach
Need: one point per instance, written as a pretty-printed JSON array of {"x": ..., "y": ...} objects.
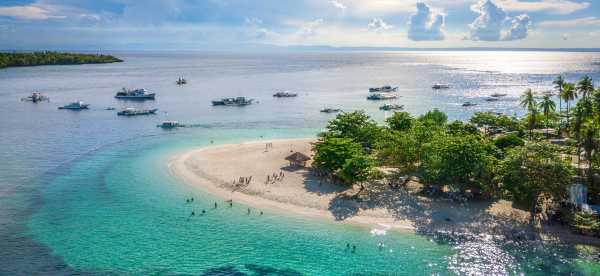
[{"x": 215, "y": 205}]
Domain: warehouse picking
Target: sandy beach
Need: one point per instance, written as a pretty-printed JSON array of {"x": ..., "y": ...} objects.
[{"x": 217, "y": 170}]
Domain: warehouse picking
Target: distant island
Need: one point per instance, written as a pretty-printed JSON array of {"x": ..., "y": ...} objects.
[{"x": 52, "y": 58}]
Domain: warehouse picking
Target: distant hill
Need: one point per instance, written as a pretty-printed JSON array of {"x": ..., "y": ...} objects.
[{"x": 52, "y": 58}]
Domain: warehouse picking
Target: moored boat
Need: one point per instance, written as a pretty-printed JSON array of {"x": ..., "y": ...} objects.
[
  {"x": 467, "y": 104},
  {"x": 181, "y": 81},
  {"x": 385, "y": 88},
  {"x": 36, "y": 97},
  {"x": 75, "y": 106},
  {"x": 382, "y": 96},
  {"x": 135, "y": 94},
  {"x": 388, "y": 107},
  {"x": 498, "y": 95},
  {"x": 239, "y": 101},
  {"x": 440, "y": 86},
  {"x": 169, "y": 124},
  {"x": 331, "y": 110},
  {"x": 284, "y": 94},
  {"x": 135, "y": 112},
  {"x": 492, "y": 99}
]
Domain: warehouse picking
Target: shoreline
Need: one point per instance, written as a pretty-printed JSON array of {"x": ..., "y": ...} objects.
[{"x": 213, "y": 169}]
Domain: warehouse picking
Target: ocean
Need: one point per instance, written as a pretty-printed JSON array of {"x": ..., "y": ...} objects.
[{"x": 89, "y": 192}]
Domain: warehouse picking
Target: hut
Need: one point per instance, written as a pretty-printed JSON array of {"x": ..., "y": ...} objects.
[{"x": 297, "y": 159}]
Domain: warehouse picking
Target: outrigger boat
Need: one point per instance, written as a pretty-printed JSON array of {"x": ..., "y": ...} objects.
[
  {"x": 36, "y": 97},
  {"x": 75, "y": 106},
  {"x": 388, "y": 107},
  {"x": 135, "y": 94},
  {"x": 498, "y": 95},
  {"x": 181, "y": 81},
  {"x": 382, "y": 96},
  {"x": 239, "y": 101},
  {"x": 467, "y": 104},
  {"x": 135, "y": 112},
  {"x": 285, "y": 94},
  {"x": 169, "y": 124},
  {"x": 331, "y": 110},
  {"x": 440, "y": 86},
  {"x": 386, "y": 88}
]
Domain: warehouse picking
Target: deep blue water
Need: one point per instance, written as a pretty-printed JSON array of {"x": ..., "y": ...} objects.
[{"x": 90, "y": 192}]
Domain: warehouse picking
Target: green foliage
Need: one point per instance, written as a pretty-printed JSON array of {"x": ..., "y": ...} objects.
[
  {"x": 532, "y": 171},
  {"x": 400, "y": 121},
  {"x": 462, "y": 161},
  {"x": 460, "y": 128},
  {"x": 358, "y": 168},
  {"x": 584, "y": 222},
  {"x": 51, "y": 58},
  {"x": 505, "y": 142},
  {"x": 357, "y": 126},
  {"x": 434, "y": 118},
  {"x": 399, "y": 149},
  {"x": 491, "y": 120},
  {"x": 331, "y": 153}
]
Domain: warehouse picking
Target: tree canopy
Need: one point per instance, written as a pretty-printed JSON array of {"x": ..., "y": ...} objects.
[{"x": 52, "y": 58}]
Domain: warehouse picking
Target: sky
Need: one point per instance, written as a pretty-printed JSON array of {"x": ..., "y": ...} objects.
[{"x": 218, "y": 24}]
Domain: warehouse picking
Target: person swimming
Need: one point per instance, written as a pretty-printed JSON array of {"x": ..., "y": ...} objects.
[
  {"x": 215, "y": 205},
  {"x": 193, "y": 213},
  {"x": 203, "y": 211},
  {"x": 261, "y": 213},
  {"x": 248, "y": 211}
]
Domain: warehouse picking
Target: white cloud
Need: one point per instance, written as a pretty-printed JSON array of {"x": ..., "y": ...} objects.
[
  {"x": 586, "y": 21},
  {"x": 426, "y": 24},
  {"x": 307, "y": 29},
  {"x": 338, "y": 5},
  {"x": 378, "y": 25},
  {"x": 553, "y": 6},
  {"x": 29, "y": 12},
  {"x": 494, "y": 25}
]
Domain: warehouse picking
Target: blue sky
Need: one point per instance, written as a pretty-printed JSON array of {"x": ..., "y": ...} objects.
[{"x": 187, "y": 24}]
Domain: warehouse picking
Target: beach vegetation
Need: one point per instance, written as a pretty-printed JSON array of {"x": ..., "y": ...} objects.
[{"x": 357, "y": 126}]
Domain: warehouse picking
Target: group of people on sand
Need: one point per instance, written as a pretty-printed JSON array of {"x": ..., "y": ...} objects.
[
  {"x": 243, "y": 180},
  {"x": 271, "y": 179},
  {"x": 216, "y": 206}
]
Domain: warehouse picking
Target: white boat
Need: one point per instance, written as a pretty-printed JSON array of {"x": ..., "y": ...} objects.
[
  {"x": 36, "y": 97},
  {"x": 385, "y": 88},
  {"x": 130, "y": 111},
  {"x": 239, "y": 101},
  {"x": 440, "y": 86},
  {"x": 382, "y": 96},
  {"x": 135, "y": 94},
  {"x": 331, "y": 110},
  {"x": 181, "y": 81},
  {"x": 75, "y": 106}
]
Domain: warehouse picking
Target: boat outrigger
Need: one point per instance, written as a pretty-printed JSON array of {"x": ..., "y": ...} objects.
[
  {"x": 388, "y": 107},
  {"x": 382, "y": 96},
  {"x": 36, "y": 97},
  {"x": 181, "y": 81},
  {"x": 130, "y": 111},
  {"x": 440, "y": 86},
  {"x": 239, "y": 101},
  {"x": 284, "y": 94},
  {"x": 75, "y": 106},
  {"x": 135, "y": 94}
]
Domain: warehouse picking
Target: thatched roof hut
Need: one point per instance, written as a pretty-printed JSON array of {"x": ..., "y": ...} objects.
[{"x": 297, "y": 159}]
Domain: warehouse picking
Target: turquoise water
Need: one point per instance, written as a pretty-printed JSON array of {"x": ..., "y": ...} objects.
[{"x": 90, "y": 193}]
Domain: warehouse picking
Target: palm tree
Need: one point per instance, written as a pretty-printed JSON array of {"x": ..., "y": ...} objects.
[
  {"x": 558, "y": 85},
  {"x": 589, "y": 134},
  {"x": 585, "y": 86},
  {"x": 569, "y": 94},
  {"x": 548, "y": 107},
  {"x": 528, "y": 99}
]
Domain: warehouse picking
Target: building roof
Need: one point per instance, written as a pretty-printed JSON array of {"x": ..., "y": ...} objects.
[{"x": 297, "y": 157}]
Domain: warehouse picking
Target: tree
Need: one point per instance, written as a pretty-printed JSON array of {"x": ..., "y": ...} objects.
[
  {"x": 509, "y": 141},
  {"x": 462, "y": 161},
  {"x": 533, "y": 172},
  {"x": 399, "y": 149},
  {"x": 331, "y": 153},
  {"x": 558, "y": 85},
  {"x": 528, "y": 100},
  {"x": 434, "y": 118},
  {"x": 569, "y": 94},
  {"x": 484, "y": 119},
  {"x": 359, "y": 168},
  {"x": 400, "y": 121},
  {"x": 585, "y": 86},
  {"x": 357, "y": 126},
  {"x": 548, "y": 107}
]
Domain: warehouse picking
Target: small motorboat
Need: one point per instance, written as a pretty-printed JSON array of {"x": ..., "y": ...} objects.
[
  {"x": 135, "y": 112},
  {"x": 388, "y": 107},
  {"x": 110, "y": 108},
  {"x": 331, "y": 110},
  {"x": 440, "y": 86},
  {"x": 385, "y": 88},
  {"x": 382, "y": 96},
  {"x": 75, "y": 106},
  {"x": 36, "y": 97},
  {"x": 284, "y": 94},
  {"x": 170, "y": 125},
  {"x": 498, "y": 95},
  {"x": 467, "y": 104},
  {"x": 492, "y": 99},
  {"x": 181, "y": 81}
]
